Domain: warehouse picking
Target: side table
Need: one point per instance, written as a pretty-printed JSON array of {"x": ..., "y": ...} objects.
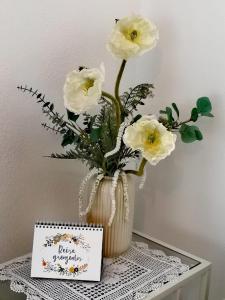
[{"x": 191, "y": 285}]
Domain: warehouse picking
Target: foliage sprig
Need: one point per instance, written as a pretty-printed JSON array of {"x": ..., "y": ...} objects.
[
  {"x": 189, "y": 133},
  {"x": 135, "y": 97}
]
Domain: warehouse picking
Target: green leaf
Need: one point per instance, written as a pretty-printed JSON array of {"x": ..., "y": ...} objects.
[
  {"x": 46, "y": 104},
  {"x": 194, "y": 114},
  {"x": 190, "y": 134},
  {"x": 207, "y": 115},
  {"x": 136, "y": 118},
  {"x": 68, "y": 138},
  {"x": 51, "y": 107},
  {"x": 176, "y": 109},
  {"x": 169, "y": 114},
  {"x": 95, "y": 134},
  {"x": 162, "y": 112},
  {"x": 62, "y": 131},
  {"x": 198, "y": 134},
  {"x": 72, "y": 116},
  {"x": 66, "y": 141},
  {"x": 63, "y": 124},
  {"x": 204, "y": 105}
]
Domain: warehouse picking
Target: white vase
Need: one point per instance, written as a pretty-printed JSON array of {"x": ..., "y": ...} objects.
[{"x": 117, "y": 237}]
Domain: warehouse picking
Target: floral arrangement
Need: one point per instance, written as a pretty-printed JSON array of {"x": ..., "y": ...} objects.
[
  {"x": 107, "y": 140},
  {"x": 69, "y": 238},
  {"x": 72, "y": 270}
]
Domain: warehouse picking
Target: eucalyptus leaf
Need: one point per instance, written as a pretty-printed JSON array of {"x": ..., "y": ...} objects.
[
  {"x": 176, "y": 109},
  {"x": 46, "y": 104},
  {"x": 210, "y": 115},
  {"x": 169, "y": 114},
  {"x": 67, "y": 141},
  {"x": 72, "y": 116},
  {"x": 68, "y": 138},
  {"x": 62, "y": 131},
  {"x": 190, "y": 134},
  {"x": 136, "y": 118},
  {"x": 204, "y": 105},
  {"x": 194, "y": 114},
  {"x": 95, "y": 134},
  {"x": 198, "y": 134}
]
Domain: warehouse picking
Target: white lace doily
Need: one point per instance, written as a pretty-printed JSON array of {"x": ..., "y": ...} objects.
[{"x": 132, "y": 275}]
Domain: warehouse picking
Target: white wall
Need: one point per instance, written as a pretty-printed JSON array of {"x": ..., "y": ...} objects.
[
  {"x": 41, "y": 41},
  {"x": 182, "y": 202}
]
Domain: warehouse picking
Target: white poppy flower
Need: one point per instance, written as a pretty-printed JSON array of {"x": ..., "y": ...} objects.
[
  {"x": 83, "y": 89},
  {"x": 132, "y": 36},
  {"x": 150, "y": 137}
]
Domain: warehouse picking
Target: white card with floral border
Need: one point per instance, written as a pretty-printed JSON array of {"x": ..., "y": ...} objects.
[{"x": 67, "y": 251}]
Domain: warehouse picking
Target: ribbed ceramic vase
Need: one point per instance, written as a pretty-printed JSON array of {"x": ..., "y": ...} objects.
[{"x": 117, "y": 237}]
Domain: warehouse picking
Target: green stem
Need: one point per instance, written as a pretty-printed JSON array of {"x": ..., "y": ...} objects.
[
  {"x": 117, "y": 107},
  {"x": 140, "y": 171},
  {"x": 184, "y": 122},
  {"x": 72, "y": 128},
  {"x": 118, "y": 80},
  {"x": 177, "y": 125},
  {"x": 116, "y": 101}
]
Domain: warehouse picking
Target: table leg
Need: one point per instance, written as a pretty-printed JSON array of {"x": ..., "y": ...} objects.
[
  {"x": 178, "y": 294},
  {"x": 204, "y": 286}
]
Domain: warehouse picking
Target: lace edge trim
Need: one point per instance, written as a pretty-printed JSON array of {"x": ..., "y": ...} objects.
[
  {"x": 18, "y": 286},
  {"x": 15, "y": 260}
]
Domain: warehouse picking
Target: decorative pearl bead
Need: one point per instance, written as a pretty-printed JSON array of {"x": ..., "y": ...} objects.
[
  {"x": 93, "y": 192},
  {"x": 126, "y": 196},
  {"x": 118, "y": 140},
  {"x": 82, "y": 188},
  {"x": 113, "y": 196}
]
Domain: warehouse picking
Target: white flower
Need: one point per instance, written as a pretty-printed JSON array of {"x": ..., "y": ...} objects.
[
  {"x": 83, "y": 89},
  {"x": 151, "y": 138},
  {"x": 132, "y": 36}
]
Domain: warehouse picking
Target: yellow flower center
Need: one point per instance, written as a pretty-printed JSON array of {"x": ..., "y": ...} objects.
[
  {"x": 131, "y": 34},
  {"x": 153, "y": 141},
  {"x": 151, "y": 138},
  {"x": 88, "y": 83}
]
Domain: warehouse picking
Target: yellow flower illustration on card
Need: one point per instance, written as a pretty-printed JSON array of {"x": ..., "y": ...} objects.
[{"x": 71, "y": 269}]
